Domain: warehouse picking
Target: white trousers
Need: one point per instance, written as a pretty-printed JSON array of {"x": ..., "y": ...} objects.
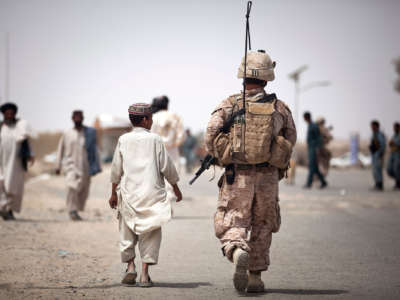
[
  {"x": 10, "y": 202},
  {"x": 76, "y": 199},
  {"x": 149, "y": 244}
]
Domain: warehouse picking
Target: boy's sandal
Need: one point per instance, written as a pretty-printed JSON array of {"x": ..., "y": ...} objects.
[
  {"x": 146, "y": 284},
  {"x": 129, "y": 278}
]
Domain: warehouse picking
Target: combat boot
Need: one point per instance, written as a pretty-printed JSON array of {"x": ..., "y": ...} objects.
[
  {"x": 241, "y": 261},
  {"x": 255, "y": 284}
]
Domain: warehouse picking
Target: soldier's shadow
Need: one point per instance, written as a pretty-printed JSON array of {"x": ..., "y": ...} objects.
[
  {"x": 182, "y": 285},
  {"x": 304, "y": 292}
]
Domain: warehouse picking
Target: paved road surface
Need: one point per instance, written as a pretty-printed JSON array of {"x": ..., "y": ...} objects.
[{"x": 340, "y": 243}]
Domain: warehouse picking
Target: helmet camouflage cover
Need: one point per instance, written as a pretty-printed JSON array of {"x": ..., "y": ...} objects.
[{"x": 259, "y": 66}]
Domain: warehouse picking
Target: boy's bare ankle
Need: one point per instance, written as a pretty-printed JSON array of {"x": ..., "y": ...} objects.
[
  {"x": 145, "y": 273},
  {"x": 131, "y": 266}
]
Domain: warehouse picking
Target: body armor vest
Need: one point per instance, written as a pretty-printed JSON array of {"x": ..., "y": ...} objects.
[{"x": 252, "y": 133}]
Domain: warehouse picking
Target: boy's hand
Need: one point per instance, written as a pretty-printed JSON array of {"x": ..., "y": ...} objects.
[
  {"x": 177, "y": 192},
  {"x": 113, "y": 201}
]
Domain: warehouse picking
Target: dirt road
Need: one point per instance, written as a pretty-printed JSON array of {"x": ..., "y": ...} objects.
[{"x": 340, "y": 243}]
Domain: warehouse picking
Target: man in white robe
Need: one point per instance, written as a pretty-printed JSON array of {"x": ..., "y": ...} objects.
[
  {"x": 14, "y": 136},
  {"x": 140, "y": 165},
  {"x": 74, "y": 159},
  {"x": 169, "y": 126}
]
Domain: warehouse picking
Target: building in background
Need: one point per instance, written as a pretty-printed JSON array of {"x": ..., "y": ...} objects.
[{"x": 109, "y": 129}]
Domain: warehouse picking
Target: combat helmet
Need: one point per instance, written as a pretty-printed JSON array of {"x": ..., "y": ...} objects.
[{"x": 259, "y": 66}]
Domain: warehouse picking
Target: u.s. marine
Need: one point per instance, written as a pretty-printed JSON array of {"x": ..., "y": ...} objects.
[{"x": 255, "y": 153}]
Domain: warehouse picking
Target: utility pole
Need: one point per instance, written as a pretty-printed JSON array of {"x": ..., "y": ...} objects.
[{"x": 295, "y": 75}]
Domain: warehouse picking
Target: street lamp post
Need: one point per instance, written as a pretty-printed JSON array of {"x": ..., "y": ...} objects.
[{"x": 295, "y": 75}]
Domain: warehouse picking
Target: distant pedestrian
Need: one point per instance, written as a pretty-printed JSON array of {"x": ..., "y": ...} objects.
[
  {"x": 78, "y": 158},
  {"x": 314, "y": 143},
  {"x": 377, "y": 148},
  {"x": 169, "y": 126},
  {"x": 15, "y": 153},
  {"x": 291, "y": 172},
  {"x": 140, "y": 164},
  {"x": 393, "y": 168},
  {"x": 324, "y": 155},
  {"x": 189, "y": 146}
]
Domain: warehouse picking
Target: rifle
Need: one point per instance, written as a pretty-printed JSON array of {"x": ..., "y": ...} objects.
[{"x": 205, "y": 165}]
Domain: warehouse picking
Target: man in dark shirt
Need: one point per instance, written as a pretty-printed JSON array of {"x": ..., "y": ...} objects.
[{"x": 314, "y": 142}]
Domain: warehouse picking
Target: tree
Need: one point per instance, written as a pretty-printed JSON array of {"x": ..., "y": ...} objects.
[{"x": 397, "y": 67}]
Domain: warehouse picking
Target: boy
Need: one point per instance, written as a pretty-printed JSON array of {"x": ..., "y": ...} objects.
[{"x": 139, "y": 167}]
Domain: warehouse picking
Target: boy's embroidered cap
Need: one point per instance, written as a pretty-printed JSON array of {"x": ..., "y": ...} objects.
[{"x": 140, "y": 109}]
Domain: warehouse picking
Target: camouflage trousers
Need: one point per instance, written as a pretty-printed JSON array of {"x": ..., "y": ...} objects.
[{"x": 248, "y": 213}]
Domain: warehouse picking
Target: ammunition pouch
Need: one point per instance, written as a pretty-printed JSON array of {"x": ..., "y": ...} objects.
[
  {"x": 222, "y": 148},
  {"x": 281, "y": 151}
]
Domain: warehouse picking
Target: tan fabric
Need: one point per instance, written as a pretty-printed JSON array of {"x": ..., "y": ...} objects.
[
  {"x": 140, "y": 164},
  {"x": 72, "y": 159},
  {"x": 281, "y": 123},
  {"x": 12, "y": 174},
  {"x": 169, "y": 126},
  {"x": 76, "y": 199},
  {"x": 292, "y": 172},
  {"x": 252, "y": 133},
  {"x": 259, "y": 66},
  {"x": 249, "y": 208},
  {"x": 149, "y": 244}
]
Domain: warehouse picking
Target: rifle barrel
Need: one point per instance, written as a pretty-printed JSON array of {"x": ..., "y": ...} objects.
[{"x": 194, "y": 179}]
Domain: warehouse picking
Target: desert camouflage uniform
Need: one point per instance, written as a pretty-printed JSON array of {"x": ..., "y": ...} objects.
[{"x": 248, "y": 210}]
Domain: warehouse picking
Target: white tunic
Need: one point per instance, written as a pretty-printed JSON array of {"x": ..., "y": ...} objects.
[
  {"x": 169, "y": 126},
  {"x": 12, "y": 173},
  {"x": 72, "y": 158},
  {"x": 140, "y": 164}
]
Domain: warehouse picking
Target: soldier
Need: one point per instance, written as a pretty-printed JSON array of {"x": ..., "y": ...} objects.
[
  {"x": 14, "y": 155},
  {"x": 169, "y": 126},
  {"x": 324, "y": 155},
  {"x": 188, "y": 149},
  {"x": 79, "y": 159},
  {"x": 377, "y": 148},
  {"x": 314, "y": 143},
  {"x": 393, "y": 168},
  {"x": 254, "y": 152}
]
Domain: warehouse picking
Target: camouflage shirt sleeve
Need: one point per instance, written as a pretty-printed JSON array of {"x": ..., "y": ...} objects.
[
  {"x": 218, "y": 117},
  {"x": 289, "y": 128}
]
